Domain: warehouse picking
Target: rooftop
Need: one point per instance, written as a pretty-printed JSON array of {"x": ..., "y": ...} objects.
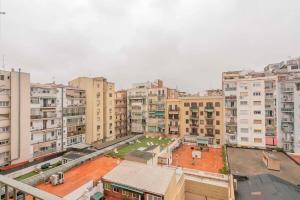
[
  {"x": 248, "y": 162},
  {"x": 141, "y": 154},
  {"x": 141, "y": 176},
  {"x": 77, "y": 176},
  {"x": 266, "y": 187},
  {"x": 210, "y": 161}
]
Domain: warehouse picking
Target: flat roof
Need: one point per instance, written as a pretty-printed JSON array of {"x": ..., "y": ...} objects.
[
  {"x": 210, "y": 161},
  {"x": 150, "y": 178},
  {"x": 77, "y": 176},
  {"x": 141, "y": 154},
  {"x": 149, "y": 148},
  {"x": 248, "y": 162},
  {"x": 266, "y": 187}
]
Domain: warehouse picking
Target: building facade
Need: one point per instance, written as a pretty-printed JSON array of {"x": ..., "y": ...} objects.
[
  {"x": 57, "y": 118},
  {"x": 45, "y": 125},
  {"x": 250, "y": 109},
  {"x": 198, "y": 116},
  {"x": 137, "y": 108},
  {"x": 121, "y": 113},
  {"x": 100, "y": 108},
  {"x": 15, "y": 117}
]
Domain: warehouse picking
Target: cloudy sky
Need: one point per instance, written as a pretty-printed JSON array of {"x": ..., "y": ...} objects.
[{"x": 186, "y": 43}]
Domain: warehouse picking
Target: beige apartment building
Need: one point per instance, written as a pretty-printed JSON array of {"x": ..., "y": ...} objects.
[
  {"x": 121, "y": 113},
  {"x": 14, "y": 117},
  {"x": 197, "y": 115},
  {"x": 100, "y": 108}
]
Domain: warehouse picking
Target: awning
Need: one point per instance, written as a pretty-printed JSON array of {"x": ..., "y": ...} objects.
[
  {"x": 127, "y": 188},
  {"x": 97, "y": 195},
  {"x": 202, "y": 140}
]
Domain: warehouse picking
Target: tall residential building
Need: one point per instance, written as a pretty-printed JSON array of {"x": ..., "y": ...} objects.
[
  {"x": 146, "y": 107},
  {"x": 288, "y": 103},
  {"x": 14, "y": 117},
  {"x": 100, "y": 108},
  {"x": 74, "y": 119},
  {"x": 250, "y": 108},
  {"x": 48, "y": 123},
  {"x": 137, "y": 108},
  {"x": 121, "y": 113},
  {"x": 197, "y": 115},
  {"x": 45, "y": 125}
]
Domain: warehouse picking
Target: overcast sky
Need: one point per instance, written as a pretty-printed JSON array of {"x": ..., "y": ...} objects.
[{"x": 186, "y": 43}]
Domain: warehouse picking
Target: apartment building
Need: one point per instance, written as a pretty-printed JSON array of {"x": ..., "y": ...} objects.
[
  {"x": 197, "y": 115},
  {"x": 100, "y": 108},
  {"x": 14, "y": 117},
  {"x": 146, "y": 106},
  {"x": 288, "y": 103},
  {"x": 74, "y": 118},
  {"x": 45, "y": 125},
  {"x": 51, "y": 129},
  {"x": 250, "y": 108},
  {"x": 121, "y": 113},
  {"x": 137, "y": 108}
]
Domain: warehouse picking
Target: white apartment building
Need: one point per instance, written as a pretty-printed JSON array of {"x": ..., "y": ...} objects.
[
  {"x": 137, "y": 108},
  {"x": 45, "y": 125},
  {"x": 48, "y": 122},
  {"x": 14, "y": 117},
  {"x": 250, "y": 109}
]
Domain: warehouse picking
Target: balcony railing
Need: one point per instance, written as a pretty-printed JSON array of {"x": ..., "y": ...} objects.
[
  {"x": 287, "y": 89},
  {"x": 209, "y": 109},
  {"x": 287, "y": 109}
]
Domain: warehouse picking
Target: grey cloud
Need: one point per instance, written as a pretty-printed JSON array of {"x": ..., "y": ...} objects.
[{"x": 187, "y": 43}]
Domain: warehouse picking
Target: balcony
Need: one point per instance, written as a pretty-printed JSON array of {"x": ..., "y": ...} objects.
[
  {"x": 195, "y": 117},
  {"x": 287, "y": 100},
  {"x": 209, "y": 109},
  {"x": 209, "y": 125},
  {"x": 287, "y": 109},
  {"x": 194, "y": 109},
  {"x": 287, "y": 89},
  {"x": 230, "y": 89},
  {"x": 45, "y": 152},
  {"x": 287, "y": 120},
  {"x": 194, "y": 125}
]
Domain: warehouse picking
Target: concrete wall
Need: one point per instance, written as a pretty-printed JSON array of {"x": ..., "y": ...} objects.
[
  {"x": 195, "y": 190},
  {"x": 20, "y": 97},
  {"x": 30, "y": 169}
]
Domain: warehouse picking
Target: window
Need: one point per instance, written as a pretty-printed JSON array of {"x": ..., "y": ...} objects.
[
  {"x": 217, "y": 131},
  {"x": 152, "y": 197},
  {"x": 52, "y": 122},
  {"x": 217, "y": 113},
  {"x": 257, "y": 140},
  {"x": 187, "y": 130},
  {"x": 244, "y": 130},
  {"x": 256, "y": 84},
  {"x": 136, "y": 196},
  {"x": 217, "y": 122},
  {"x": 115, "y": 189},
  {"x": 186, "y": 104},
  {"x": 1, "y": 77},
  {"x": 244, "y": 139},
  {"x": 298, "y": 86},
  {"x": 4, "y": 103},
  {"x": 218, "y": 141},
  {"x": 257, "y": 121},
  {"x": 257, "y": 131},
  {"x": 243, "y": 102},
  {"x": 217, "y": 104},
  {"x": 201, "y": 130},
  {"x": 257, "y": 103},
  {"x": 4, "y": 129},
  {"x": 186, "y": 121},
  {"x": 201, "y": 113},
  {"x": 125, "y": 193},
  {"x": 257, "y": 112},
  {"x": 110, "y": 94},
  {"x": 256, "y": 93},
  {"x": 186, "y": 112}
]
